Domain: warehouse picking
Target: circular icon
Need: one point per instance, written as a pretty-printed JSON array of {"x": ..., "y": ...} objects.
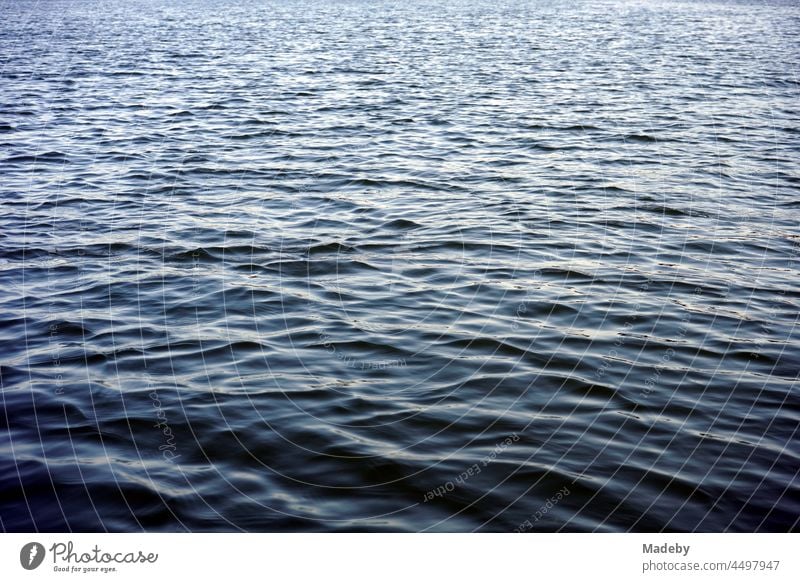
[{"x": 31, "y": 555}]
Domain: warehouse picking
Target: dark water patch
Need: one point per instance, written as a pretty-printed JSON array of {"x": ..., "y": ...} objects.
[{"x": 50, "y": 157}]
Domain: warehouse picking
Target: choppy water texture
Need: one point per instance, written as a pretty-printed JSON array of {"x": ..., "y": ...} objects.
[{"x": 446, "y": 266}]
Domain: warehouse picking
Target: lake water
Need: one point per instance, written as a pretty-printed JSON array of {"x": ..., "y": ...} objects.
[{"x": 399, "y": 266}]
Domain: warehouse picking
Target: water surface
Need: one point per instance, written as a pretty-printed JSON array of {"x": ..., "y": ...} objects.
[{"x": 418, "y": 266}]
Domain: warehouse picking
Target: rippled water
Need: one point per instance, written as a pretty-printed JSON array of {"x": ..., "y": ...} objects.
[{"x": 440, "y": 266}]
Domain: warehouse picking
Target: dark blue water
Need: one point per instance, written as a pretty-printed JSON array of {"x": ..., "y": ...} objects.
[{"x": 419, "y": 266}]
